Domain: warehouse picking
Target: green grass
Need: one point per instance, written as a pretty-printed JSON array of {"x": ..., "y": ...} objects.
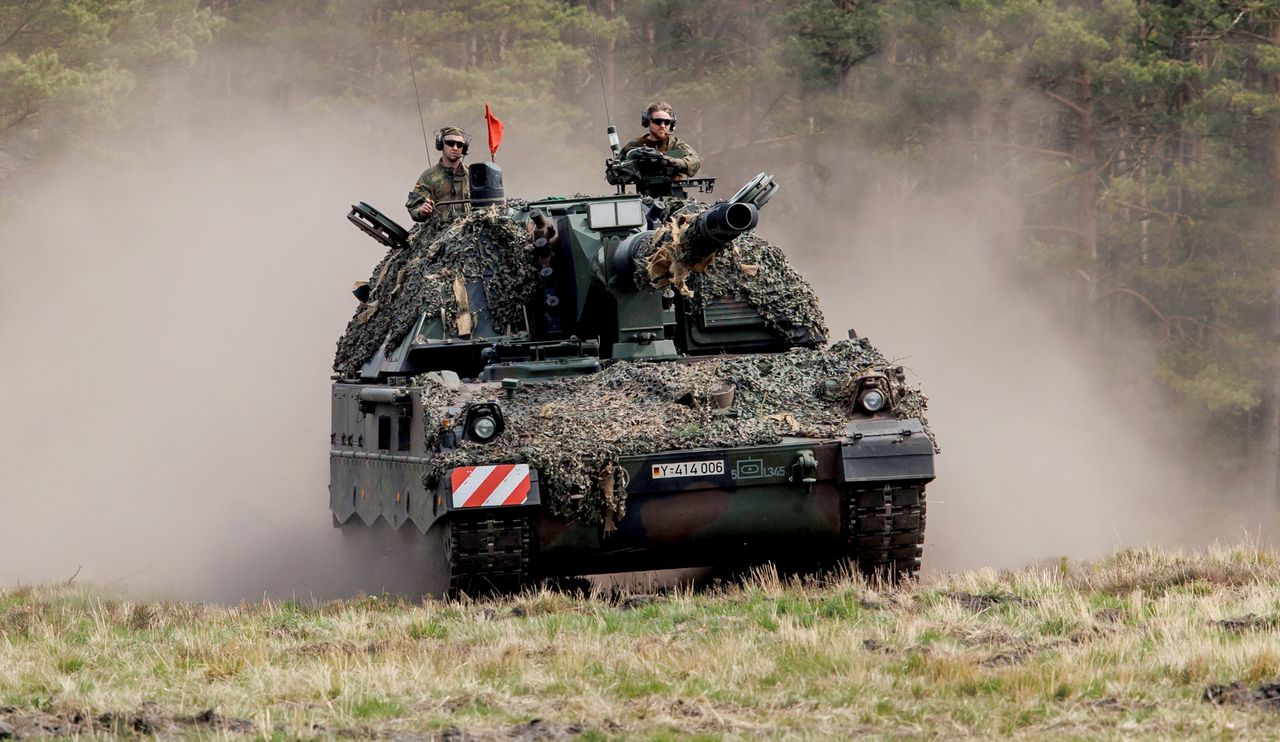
[
  {"x": 376, "y": 708},
  {"x": 1119, "y": 648}
]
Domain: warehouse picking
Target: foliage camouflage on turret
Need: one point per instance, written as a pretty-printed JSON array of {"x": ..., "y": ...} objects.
[
  {"x": 422, "y": 277},
  {"x": 488, "y": 244},
  {"x": 574, "y": 430},
  {"x": 753, "y": 268}
]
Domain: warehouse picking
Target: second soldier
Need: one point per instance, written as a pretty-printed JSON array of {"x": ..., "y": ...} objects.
[
  {"x": 444, "y": 181},
  {"x": 660, "y": 120}
]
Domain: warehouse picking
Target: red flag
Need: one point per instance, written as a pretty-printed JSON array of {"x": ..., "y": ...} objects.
[{"x": 495, "y": 131}]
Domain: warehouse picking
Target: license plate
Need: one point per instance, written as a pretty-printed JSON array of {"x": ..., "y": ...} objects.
[{"x": 688, "y": 469}]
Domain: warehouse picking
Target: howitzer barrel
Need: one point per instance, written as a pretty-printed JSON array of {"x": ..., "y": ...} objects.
[
  {"x": 687, "y": 244},
  {"x": 716, "y": 228}
]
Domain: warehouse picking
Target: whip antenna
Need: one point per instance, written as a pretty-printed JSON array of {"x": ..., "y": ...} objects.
[
  {"x": 408, "y": 47},
  {"x": 604, "y": 93}
]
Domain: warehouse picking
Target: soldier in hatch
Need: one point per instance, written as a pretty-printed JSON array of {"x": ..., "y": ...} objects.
[
  {"x": 661, "y": 121},
  {"x": 444, "y": 181}
]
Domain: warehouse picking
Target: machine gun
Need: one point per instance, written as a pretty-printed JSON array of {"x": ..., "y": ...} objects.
[{"x": 652, "y": 174}]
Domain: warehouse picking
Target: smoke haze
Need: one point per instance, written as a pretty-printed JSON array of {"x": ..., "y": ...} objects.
[
  {"x": 169, "y": 325},
  {"x": 1042, "y": 454}
]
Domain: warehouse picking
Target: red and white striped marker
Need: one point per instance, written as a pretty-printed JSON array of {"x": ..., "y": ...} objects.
[{"x": 486, "y": 486}]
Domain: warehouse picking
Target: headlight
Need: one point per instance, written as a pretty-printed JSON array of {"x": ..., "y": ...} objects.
[
  {"x": 484, "y": 427},
  {"x": 872, "y": 400},
  {"x": 483, "y": 422}
]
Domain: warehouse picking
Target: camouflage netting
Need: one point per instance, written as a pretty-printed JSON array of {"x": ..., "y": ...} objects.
[
  {"x": 431, "y": 275},
  {"x": 575, "y": 430},
  {"x": 752, "y": 268},
  {"x": 672, "y": 253}
]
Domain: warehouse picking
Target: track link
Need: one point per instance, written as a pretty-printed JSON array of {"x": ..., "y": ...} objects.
[
  {"x": 488, "y": 556},
  {"x": 884, "y": 530}
]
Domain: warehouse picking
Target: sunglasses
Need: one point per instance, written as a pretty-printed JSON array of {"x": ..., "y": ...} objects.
[
  {"x": 660, "y": 122},
  {"x": 454, "y": 143}
]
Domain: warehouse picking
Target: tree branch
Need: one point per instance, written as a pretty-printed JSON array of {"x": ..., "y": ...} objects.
[
  {"x": 27, "y": 16},
  {"x": 1051, "y": 187},
  {"x": 1252, "y": 35},
  {"x": 1038, "y": 150},
  {"x": 19, "y": 120},
  {"x": 1144, "y": 301},
  {"x": 1073, "y": 106},
  {"x": 1175, "y": 215}
]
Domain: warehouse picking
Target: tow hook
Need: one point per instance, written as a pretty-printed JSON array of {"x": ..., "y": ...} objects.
[{"x": 805, "y": 470}]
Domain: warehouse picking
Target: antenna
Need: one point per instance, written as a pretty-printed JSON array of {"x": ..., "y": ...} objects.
[
  {"x": 408, "y": 47},
  {"x": 604, "y": 93}
]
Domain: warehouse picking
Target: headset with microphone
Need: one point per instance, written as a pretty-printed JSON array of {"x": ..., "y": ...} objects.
[
  {"x": 466, "y": 138},
  {"x": 645, "y": 119}
]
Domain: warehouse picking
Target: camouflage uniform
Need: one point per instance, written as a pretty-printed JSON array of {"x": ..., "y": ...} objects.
[
  {"x": 687, "y": 161},
  {"x": 439, "y": 184}
]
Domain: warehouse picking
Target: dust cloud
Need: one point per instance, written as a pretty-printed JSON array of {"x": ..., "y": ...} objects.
[
  {"x": 169, "y": 320},
  {"x": 1046, "y": 453}
]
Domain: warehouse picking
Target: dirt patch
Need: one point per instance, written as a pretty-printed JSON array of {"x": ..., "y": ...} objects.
[
  {"x": 148, "y": 719},
  {"x": 1014, "y": 657},
  {"x": 1248, "y": 622},
  {"x": 1117, "y": 705},
  {"x": 346, "y": 648},
  {"x": 1109, "y": 615},
  {"x": 872, "y": 645},
  {"x": 541, "y": 729},
  {"x": 1266, "y": 696},
  {"x": 983, "y": 602},
  {"x": 636, "y": 601}
]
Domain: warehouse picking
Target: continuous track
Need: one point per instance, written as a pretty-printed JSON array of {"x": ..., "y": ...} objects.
[
  {"x": 884, "y": 530},
  {"x": 488, "y": 556}
]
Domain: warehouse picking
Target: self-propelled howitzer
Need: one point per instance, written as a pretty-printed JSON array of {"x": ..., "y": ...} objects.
[{"x": 583, "y": 385}]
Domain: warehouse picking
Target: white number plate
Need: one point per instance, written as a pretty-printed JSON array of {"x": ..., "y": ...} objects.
[{"x": 687, "y": 469}]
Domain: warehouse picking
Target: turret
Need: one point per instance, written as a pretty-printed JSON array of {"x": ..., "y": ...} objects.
[{"x": 522, "y": 289}]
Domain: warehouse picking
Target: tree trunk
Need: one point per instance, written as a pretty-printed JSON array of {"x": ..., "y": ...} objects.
[
  {"x": 1087, "y": 154},
  {"x": 1270, "y": 484}
]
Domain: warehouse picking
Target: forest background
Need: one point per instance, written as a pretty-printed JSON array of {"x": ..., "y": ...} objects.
[{"x": 1139, "y": 140}]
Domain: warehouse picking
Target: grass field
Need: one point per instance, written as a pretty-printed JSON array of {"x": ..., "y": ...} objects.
[{"x": 1125, "y": 647}]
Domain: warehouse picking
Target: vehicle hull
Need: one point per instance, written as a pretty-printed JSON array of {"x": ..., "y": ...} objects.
[{"x": 788, "y": 502}]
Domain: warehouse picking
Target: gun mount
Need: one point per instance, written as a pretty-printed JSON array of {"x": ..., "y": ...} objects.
[{"x": 652, "y": 174}]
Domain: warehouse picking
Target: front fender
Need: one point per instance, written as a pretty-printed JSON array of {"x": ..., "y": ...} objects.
[{"x": 876, "y": 451}]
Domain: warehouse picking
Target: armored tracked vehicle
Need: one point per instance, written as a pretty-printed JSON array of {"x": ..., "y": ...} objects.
[{"x": 634, "y": 381}]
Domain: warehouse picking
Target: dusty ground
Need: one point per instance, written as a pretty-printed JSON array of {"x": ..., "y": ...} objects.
[{"x": 1141, "y": 645}]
